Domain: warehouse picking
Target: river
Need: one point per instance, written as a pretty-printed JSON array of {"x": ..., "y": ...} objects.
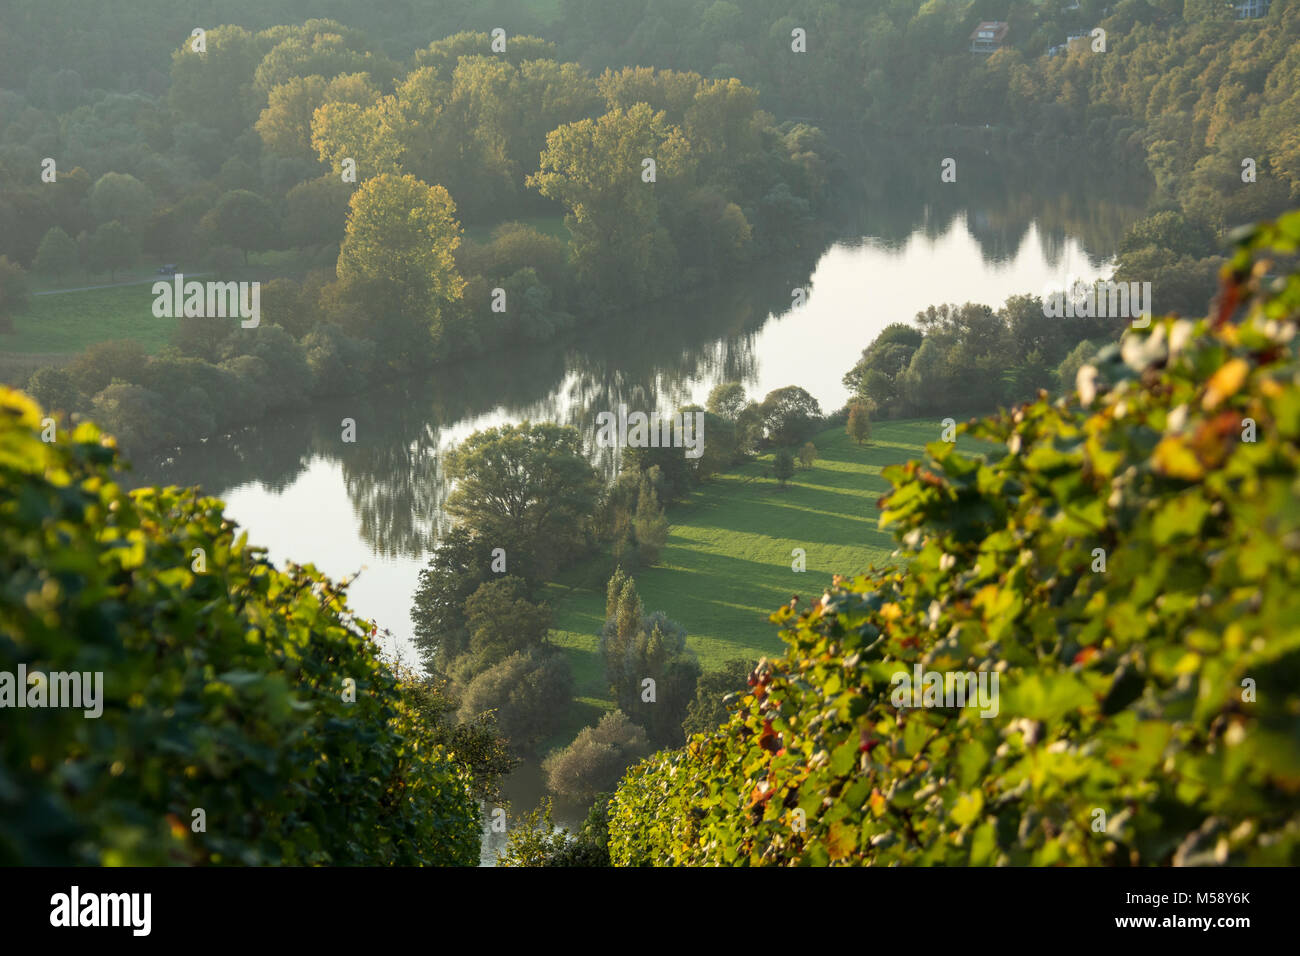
[{"x": 375, "y": 506}]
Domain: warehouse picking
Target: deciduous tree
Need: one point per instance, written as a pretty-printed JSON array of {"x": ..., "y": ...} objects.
[
  {"x": 57, "y": 253},
  {"x": 859, "y": 423},
  {"x": 242, "y": 219},
  {"x": 527, "y": 488},
  {"x": 783, "y": 466},
  {"x": 398, "y": 256}
]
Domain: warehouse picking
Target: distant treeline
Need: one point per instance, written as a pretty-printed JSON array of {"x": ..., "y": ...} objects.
[{"x": 1182, "y": 85}]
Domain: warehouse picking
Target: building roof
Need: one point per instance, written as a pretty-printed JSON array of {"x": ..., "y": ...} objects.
[{"x": 994, "y": 30}]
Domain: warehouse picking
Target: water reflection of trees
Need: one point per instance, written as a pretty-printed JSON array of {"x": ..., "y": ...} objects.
[
  {"x": 393, "y": 471},
  {"x": 655, "y": 358},
  {"x": 645, "y": 359},
  {"x": 274, "y": 452},
  {"x": 895, "y": 190},
  {"x": 393, "y": 477}
]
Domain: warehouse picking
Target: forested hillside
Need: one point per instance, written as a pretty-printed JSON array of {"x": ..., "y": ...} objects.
[{"x": 1181, "y": 86}]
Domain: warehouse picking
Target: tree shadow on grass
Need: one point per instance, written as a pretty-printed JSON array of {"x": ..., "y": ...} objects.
[{"x": 799, "y": 513}]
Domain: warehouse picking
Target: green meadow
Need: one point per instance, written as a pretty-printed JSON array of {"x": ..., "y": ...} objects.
[
  {"x": 728, "y": 561},
  {"x": 88, "y": 309},
  {"x": 68, "y": 322},
  {"x": 83, "y": 311}
]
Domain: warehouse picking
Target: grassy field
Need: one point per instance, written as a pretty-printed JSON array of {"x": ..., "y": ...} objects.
[
  {"x": 56, "y": 326},
  {"x": 727, "y": 565},
  {"x": 69, "y": 321},
  {"x": 82, "y": 309}
]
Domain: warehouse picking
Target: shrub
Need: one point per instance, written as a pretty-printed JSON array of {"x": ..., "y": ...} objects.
[
  {"x": 477, "y": 744},
  {"x": 720, "y": 451},
  {"x": 203, "y": 337},
  {"x": 783, "y": 466},
  {"x": 104, "y": 362},
  {"x": 859, "y": 423},
  {"x": 531, "y": 317},
  {"x": 288, "y": 380},
  {"x": 1170, "y": 230},
  {"x": 674, "y": 470},
  {"x": 501, "y": 620},
  {"x": 1068, "y": 370},
  {"x": 636, "y": 646},
  {"x": 133, "y": 412},
  {"x": 533, "y": 840},
  {"x": 51, "y": 386},
  {"x": 516, "y": 245},
  {"x": 590, "y": 846},
  {"x": 253, "y": 390},
  {"x": 536, "y": 841},
  {"x": 339, "y": 364},
  {"x": 530, "y": 692},
  {"x": 283, "y": 304},
  {"x": 1178, "y": 283},
  {"x": 596, "y": 759},
  {"x": 1128, "y": 575},
  {"x": 198, "y": 396},
  {"x": 650, "y": 523},
  {"x": 223, "y": 687}
]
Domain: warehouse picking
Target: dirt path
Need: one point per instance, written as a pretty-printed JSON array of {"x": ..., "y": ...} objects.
[{"x": 114, "y": 285}]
